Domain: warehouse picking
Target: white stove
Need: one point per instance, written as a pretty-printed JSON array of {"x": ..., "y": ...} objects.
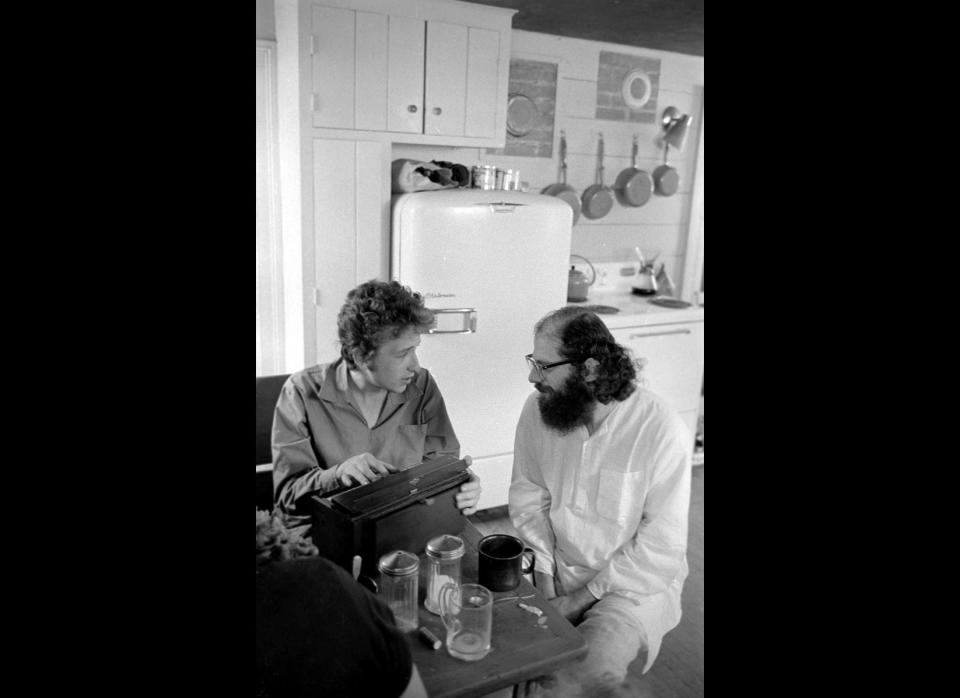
[{"x": 614, "y": 290}]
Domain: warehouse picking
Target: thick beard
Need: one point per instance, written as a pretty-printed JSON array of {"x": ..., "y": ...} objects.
[{"x": 564, "y": 410}]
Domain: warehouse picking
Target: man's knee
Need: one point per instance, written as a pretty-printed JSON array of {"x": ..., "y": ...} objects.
[{"x": 615, "y": 638}]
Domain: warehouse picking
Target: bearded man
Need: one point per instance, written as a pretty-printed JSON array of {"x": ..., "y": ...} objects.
[{"x": 601, "y": 492}]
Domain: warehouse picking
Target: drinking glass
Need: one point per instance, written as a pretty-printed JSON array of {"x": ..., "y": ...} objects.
[{"x": 467, "y": 613}]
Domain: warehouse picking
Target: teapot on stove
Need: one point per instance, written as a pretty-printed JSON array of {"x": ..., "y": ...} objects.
[{"x": 577, "y": 283}]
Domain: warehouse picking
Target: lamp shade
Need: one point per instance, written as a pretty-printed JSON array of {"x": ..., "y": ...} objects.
[{"x": 676, "y": 134}]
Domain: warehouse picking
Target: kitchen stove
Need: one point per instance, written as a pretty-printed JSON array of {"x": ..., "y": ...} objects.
[{"x": 614, "y": 289}]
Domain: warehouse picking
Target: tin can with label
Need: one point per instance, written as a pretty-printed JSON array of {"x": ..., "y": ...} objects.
[{"x": 484, "y": 177}]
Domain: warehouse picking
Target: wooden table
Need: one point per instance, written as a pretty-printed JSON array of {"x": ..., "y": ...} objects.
[{"x": 521, "y": 649}]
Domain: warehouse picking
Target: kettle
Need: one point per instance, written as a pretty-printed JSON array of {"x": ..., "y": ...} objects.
[
  {"x": 646, "y": 282},
  {"x": 577, "y": 283}
]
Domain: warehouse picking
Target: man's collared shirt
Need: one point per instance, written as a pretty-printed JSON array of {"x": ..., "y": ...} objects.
[{"x": 316, "y": 426}]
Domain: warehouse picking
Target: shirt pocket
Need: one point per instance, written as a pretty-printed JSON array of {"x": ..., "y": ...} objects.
[
  {"x": 619, "y": 495},
  {"x": 407, "y": 446}
]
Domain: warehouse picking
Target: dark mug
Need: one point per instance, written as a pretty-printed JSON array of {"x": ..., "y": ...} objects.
[{"x": 501, "y": 562}]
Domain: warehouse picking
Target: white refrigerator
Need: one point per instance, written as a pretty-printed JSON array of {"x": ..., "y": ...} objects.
[{"x": 489, "y": 264}]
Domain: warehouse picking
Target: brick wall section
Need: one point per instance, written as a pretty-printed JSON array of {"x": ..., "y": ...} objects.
[
  {"x": 612, "y": 69},
  {"x": 536, "y": 80}
]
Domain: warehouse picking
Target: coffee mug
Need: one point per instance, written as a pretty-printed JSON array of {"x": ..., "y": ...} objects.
[
  {"x": 501, "y": 562},
  {"x": 467, "y": 614}
]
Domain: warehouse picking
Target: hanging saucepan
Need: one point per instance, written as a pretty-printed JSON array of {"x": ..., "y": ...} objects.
[
  {"x": 666, "y": 179},
  {"x": 634, "y": 186},
  {"x": 598, "y": 199},
  {"x": 561, "y": 189}
]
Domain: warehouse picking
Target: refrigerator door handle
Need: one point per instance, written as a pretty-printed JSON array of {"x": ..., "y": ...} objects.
[{"x": 468, "y": 318}]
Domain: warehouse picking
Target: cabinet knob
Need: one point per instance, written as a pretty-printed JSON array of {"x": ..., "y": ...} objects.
[
  {"x": 412, "y": 109},
  {"x": 437, "y": 110}
]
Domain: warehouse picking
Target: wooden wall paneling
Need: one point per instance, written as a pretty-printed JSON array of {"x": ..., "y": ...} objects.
[
  {"x": 416, "y": 151},
  {"x": 581, "y": 57},
  {"x": 373, "y": 210},
  {"x": 335, "y": 236},
  {"x": 679, "y": 72},
  {"x": 577, "y": 98},
  {"x": 622, "y": 238}
]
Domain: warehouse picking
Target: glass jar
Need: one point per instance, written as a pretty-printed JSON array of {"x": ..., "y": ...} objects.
[
  {"x": 444, "y": 555},
  {"x": 399, "y": 580}
]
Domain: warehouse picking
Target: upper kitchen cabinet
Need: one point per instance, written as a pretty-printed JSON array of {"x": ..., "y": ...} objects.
[{"x": 432, "y": 72}]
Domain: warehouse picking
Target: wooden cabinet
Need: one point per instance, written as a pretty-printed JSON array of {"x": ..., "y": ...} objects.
[
  {"x": 674, "y": 363},
  {"x": 395, "y": 69},
  {"x": 354, "y": 77}
]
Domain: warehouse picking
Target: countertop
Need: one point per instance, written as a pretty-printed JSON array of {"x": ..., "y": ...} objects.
[{"x": 637, "y": 310}]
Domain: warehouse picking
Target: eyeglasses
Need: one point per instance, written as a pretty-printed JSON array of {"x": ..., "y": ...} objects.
[{"x": 540, "y": 368}]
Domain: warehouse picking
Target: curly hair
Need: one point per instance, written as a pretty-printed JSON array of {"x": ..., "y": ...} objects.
[
  {"x": 374, "y": 312},
  {"x": 276, "y": 542},
  {"x": 583, "y": 335}
]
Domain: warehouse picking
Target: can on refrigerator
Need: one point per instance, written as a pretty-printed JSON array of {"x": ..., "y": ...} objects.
[{"x": 484, "y": 177}]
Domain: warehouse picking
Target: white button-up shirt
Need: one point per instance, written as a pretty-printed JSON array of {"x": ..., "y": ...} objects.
[{"x": 609, "y": 510}]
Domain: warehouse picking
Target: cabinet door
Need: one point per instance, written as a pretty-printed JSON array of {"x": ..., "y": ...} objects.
[
  {"x": 405, "y": 75},
  {"x": 372, "y": 70},
  {"x": 483, "y": 75},
  {"x": 674, "y": 360},
  {"x": 333, "y": 66},
  {"x": 446, "y": 79}
]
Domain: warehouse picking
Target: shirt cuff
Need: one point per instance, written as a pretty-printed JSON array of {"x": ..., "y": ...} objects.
[{"x": 595, "y": 588}]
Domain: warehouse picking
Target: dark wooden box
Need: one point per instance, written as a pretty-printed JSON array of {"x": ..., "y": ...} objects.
[{"x": 401, "y": 511}]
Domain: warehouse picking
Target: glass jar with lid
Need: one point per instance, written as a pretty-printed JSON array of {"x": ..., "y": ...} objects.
[
  {"x": 444, "y": 554},
  {"x": 399, "y": 584}
]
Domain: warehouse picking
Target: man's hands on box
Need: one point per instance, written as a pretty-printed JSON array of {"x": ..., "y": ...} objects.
[
  {"x": 363, "y": 469},
  {"x": 469, "y": 493}
]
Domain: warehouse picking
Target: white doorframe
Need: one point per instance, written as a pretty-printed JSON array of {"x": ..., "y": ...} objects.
[
  {"x": 270, "y": 321},
  {"x": 693, "y": 257}
]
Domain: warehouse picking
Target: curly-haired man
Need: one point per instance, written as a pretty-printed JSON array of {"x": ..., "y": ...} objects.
[
  {"x": 601, "y": 491},
  {"x": 372, "y": 412}
]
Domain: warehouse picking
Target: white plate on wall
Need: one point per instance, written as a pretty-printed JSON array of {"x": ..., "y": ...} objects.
[{"x": 636, "y": 89}]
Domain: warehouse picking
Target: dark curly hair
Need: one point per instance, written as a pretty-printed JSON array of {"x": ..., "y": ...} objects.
[
  {"x": 374, "y": 312},
  {"x": 583, "y": 335}
]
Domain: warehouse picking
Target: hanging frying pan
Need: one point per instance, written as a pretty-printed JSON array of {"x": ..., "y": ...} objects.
[
  {"x": 666, "y": 179},
  {"x": 561, "y": 189},
  {"x": 598, "y": 199},
  {"x": 634, "y": 186}
]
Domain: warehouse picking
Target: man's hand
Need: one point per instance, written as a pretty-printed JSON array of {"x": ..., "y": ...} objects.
[
  {"x": 573, "y": 606},
  {"x": 469, "y": 493},
  {"x": 363, "y": 469},
  {"x": 545, "y": 585}
]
